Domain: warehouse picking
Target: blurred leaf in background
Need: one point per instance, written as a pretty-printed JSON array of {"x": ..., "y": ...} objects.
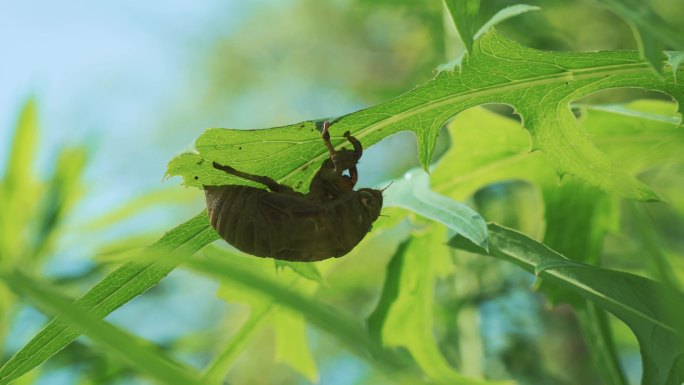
[{"x": 261, "y": 64}]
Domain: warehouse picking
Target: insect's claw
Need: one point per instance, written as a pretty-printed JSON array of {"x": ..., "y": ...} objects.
[{"x": 325, "y": 132}]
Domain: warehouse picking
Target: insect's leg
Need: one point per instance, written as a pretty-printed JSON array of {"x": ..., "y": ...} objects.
[
  {"x": 358, "y": 149},
  {"x": 266, "y": 181},
  {"x": 331, "y": 149},
  {"x": 354, "y": 175}
]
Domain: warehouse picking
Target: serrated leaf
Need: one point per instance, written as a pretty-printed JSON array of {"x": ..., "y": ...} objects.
[
  {"x": 304, "y": 269},
  {"x": 640, "y": 134},
  {"x": 650, "y": 30},
  {"x": 119, "y": 287},
  {"x": 404, "y": 315},
  {"x": 132, "y": 351},
  {"x": 539, "y": 85},
  {"x": 413, "y": 193},
  {"x": 674, "y": 60},
  {"x": 653, "y": 312},
  {"x": 470, "y": 165}
]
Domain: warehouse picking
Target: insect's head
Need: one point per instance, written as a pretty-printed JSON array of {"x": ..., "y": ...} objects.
[{"x": 371, "y": 200}]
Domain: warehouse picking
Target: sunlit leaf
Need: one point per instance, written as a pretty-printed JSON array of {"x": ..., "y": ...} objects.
[
  {"x": 653, "y": 312},
  {"x": 539, "y": 85}
]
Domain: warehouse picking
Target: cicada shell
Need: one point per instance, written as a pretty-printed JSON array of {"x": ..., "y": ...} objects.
[{"x": 328, "y": 221}]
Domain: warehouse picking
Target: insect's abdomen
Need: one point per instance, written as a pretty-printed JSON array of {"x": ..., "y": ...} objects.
[
  {"x": 285, "y": 226},
  {"x": 233, "y": 212}
]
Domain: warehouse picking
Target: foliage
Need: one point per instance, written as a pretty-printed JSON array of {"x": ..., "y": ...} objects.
[{"x": 575, "y": 179}]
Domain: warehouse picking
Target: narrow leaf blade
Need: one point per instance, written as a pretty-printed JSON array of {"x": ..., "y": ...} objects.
[
  {"x": 119, "y": 287},
  {"x": 653, "y": 312},
  {"x": 125, "y": 347}
]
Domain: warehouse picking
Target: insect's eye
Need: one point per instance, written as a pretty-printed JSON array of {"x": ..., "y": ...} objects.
[
  {"x": 366, "y": 199},
  {"x": 371, "y": 200}
]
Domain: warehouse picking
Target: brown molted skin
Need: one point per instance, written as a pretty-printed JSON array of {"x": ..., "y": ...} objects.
[
  {"x": 328, "y": 221},
  {"x": 288, "y": 226}
]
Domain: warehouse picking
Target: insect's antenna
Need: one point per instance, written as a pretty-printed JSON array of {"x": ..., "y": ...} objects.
[{"x": 388, "y": 186}]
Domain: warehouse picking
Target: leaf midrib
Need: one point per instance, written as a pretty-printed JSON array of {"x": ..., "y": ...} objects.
[
  {"x": 581, "y": 285},
  {"x": 485, "y": 91}
]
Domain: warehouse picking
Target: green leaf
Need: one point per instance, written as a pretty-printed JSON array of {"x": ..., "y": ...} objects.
[
  {"x": 306, "y": 270},
  {"x": 62, "y": 192},
  {"x": 347, "y": 330},
  {"x": 404, "y": 315},
  {"x": 469, "y": 165},
  {"x": 653, "y": 312},
  {"x": 290, "y": 337},
  {"x": 413, "y": 193},
  {"x": 539, "y": 85},
  {"x": 291, "y": 344},
  {"x": 119, "y": 287},
  {"x": 674, "y": 60},
  {"x": 578, "y": 218},
  {"x": 650, "y": 30},
  {"x": 473, "y": 22},
  {"x": 18, "y": 189},
  {"x": 219, "y": 367},
  {"x": 138, "y": 355},
  {"x": 514, "y": 203},
  {"x": 463, "y": 14},
  {"x": 640, "y": 134}
]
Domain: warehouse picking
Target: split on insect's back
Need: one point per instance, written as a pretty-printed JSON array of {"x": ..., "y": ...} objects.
[{"x": 280, "y": 222}]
